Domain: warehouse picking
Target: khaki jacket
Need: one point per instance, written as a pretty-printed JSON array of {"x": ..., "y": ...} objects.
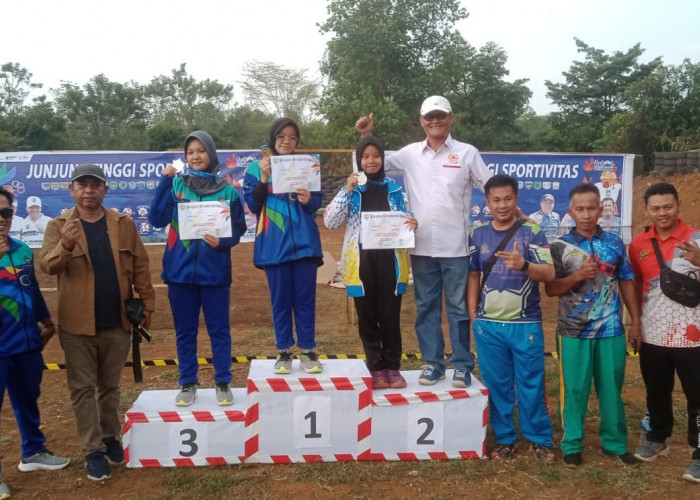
[{"x": 76, "y": 277}]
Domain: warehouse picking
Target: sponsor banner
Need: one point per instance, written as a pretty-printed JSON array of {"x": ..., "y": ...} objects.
[
  {"x": 544, "y": 182},
  {"x": 40, "y": 181}
]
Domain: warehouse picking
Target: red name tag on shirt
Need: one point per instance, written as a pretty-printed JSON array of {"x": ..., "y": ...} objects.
[{"x": 452, "y": 166}]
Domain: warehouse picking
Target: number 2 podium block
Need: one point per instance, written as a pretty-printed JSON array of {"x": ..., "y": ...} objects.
[
  {"x": 159, "y": 434},
  {"x": 435, "y": 422},
  {"x": 303, "y": 417}
]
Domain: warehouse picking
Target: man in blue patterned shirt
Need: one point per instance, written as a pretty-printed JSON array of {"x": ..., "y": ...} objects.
[
  {"x": 507, "y": 319},
  {"x": 592, "y": 271}
]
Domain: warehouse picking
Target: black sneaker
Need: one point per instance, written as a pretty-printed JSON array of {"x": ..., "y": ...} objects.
[
  {"x": 573, "y": 460},
  {"x": 114, "y": 452},
  {"x": 626, "y": 458},
  {"x": 96, "y": 465}
]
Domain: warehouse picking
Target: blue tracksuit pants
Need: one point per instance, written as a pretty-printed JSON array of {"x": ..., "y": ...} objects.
[
  {"x": 186, "y": 302},
  {"x": 21, "y": 375},
  {"x": 293, "y": 294},
  {"x": 511, "y": 358}
]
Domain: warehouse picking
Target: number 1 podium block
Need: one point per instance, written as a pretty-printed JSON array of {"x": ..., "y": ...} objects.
[
  {"x": 159, "y": 434},
  {"x": 435, "y": 422},
  {"x": 303, "y": 417}
]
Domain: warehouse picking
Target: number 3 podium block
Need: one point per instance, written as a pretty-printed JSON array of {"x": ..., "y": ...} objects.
[
  {"x": 303, "y": 417},
  {"x": 159, "y": 434},
  {"x": 435, "y": 422}
]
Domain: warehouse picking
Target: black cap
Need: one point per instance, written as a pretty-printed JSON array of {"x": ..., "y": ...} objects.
[{"x": 88, "y": 169}]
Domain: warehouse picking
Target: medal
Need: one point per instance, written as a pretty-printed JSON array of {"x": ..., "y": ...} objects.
[
  {"x": 179, "y": 166},
  {"x": 361, "y": 179}
]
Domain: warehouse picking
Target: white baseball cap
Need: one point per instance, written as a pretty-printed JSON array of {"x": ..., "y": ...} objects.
[
  {"x": 435, "y": 103},
  {"x": 33, "y": 201}
]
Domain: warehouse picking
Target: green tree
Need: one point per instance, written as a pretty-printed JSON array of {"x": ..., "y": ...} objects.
[
  {"x": 103, "y": 114},
  {"x": 24, "y": 124},
  {"x": 486, "y": 106},
  {"x": 15, "y": 86},
  {"x": 280, "y": 91},
  {"x": 381, "y": 58},
  {"x": 593, "y": 91},
  {"x": 181, "y": 99}
]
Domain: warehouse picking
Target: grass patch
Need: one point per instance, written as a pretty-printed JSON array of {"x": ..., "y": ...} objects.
[
  {"x": 181, "y": 483},
  {"x": 127, "y": 398},
  {"x": 167, "y": 375},
  {"x": 261, "y": 334}
]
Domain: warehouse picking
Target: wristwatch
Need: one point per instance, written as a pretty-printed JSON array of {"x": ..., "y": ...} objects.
[{"x": 526, "y": 264}]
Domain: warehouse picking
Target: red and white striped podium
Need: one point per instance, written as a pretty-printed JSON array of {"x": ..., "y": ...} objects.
[
  {"x": 159, "y": 434},
  {"x": 301, "y": 417},
  {"x": 435, "y": 422}
]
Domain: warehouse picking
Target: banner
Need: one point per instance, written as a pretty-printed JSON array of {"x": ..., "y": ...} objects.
[
  {"x": 544, "y": 182},
  {"x": 40, "y": 182}
]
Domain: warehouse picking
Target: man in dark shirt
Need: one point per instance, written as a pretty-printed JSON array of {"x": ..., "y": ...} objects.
[{"x": 99, "y": 258}]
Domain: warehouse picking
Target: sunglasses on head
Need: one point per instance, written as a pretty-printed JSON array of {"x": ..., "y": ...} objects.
[{"x": 6, "y": 213}]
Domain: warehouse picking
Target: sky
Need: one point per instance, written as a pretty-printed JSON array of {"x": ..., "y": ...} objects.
[{"x": 74, "y": 40}]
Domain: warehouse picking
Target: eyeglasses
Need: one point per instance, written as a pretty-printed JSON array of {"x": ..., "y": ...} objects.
[
  {"x": 437, "y": 116},
  {"x": 284, "y": 138},
  {"x": 6, "y": 213}
]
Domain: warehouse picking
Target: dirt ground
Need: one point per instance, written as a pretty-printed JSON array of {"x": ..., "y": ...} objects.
[{"x": 252, "y": 335}]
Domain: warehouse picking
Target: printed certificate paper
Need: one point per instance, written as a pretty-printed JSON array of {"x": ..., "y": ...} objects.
[
  {"x": 380, "y": 230},
  {"x": 198, "y": 218},
  {"x": 290, "y": 172}
]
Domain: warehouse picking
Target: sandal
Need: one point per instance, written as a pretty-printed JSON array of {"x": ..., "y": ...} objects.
[
  {"x": 503, "y": 452},
  {"x": 543, "y": 453}
]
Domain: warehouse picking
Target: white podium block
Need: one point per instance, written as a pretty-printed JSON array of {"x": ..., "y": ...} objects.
[
  {"x": 435, "y": 422},
  {"x": 302, "y": 417},
  {"x": 159, "y": 434}
]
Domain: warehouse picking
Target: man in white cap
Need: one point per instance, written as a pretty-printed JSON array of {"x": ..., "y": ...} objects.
[
  {"x": 20, "y": 226},
  {"x": 546, "y": 217},
  {"x": 34, "y": 214},
  {"x": 439, "y": 173}
]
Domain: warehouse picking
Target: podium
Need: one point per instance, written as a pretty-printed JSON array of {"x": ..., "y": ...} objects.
[
  {"x": 332, "y": 416},
  {"x": 303, "y": 417},
  {"x": 159, "y": 434},
  {"x": 435, "y": 422}
]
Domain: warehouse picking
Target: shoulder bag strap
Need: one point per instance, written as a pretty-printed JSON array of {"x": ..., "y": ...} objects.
[
  {"x": 492, "y": 260},
  {"x": 657, "y": 251}
]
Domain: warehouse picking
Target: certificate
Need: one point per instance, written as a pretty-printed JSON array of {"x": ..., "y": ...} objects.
[
  {"x": 380, "y": 230},
  {"x": 198, "y": 218},
  {"x": 290, "y": 172}
]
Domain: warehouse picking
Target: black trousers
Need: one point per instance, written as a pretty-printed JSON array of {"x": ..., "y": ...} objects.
[
  {"x": 658, "y": 365},
  {"x": 379, "y": 311}
]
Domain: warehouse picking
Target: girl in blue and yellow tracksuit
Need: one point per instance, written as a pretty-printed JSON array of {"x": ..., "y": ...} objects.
[
  {"x": 198, "y": 272},
  {"x": 287, "y": 245},
  {"x": 375, "y": 278}
]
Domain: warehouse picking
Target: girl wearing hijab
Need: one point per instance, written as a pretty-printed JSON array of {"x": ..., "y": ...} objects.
[
  {"x": 376, "y": 279},
  {"x": 198, "y": 272},
  {"x": 288, "y": 248}
]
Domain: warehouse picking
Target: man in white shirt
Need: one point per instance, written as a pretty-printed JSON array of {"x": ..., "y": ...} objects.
[
  {"x": 439, "y": 173},
  {"x": 34, "y": 214},
  {"x": 20, "y": 227}
]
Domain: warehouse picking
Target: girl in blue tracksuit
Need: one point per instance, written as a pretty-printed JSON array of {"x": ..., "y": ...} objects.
[
  {"x": 288, "y": 248},
  {"x": 22, "y": 307},
  {"x": 198, "y": 271}
]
